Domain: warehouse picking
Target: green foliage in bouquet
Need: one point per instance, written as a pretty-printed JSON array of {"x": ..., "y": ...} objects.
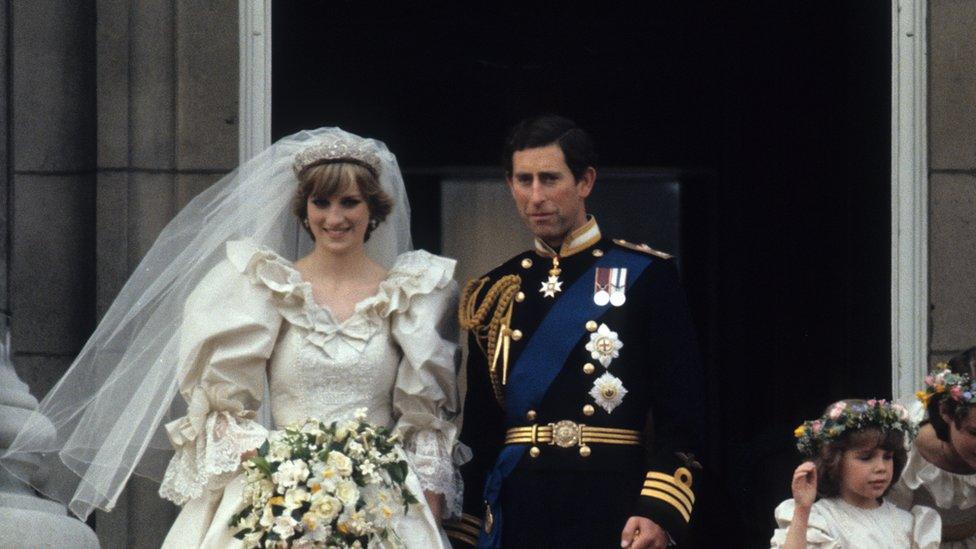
[{"x": 318, "y": 485}]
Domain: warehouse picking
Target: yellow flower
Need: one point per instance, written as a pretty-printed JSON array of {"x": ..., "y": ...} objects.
[
  {"x": 799, "y": 431},
  {"x": 277, "y": 500},
  {"x": 940, "y": 388},
  {"x": 922, "y": 396}
]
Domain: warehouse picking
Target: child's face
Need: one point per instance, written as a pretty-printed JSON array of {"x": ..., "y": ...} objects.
[
  {"x": 963, "y": 438},
  {"x": 866, "y": 473}
]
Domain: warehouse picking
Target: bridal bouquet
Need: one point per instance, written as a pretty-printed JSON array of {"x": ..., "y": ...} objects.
[{"x": 318, "y": 485}]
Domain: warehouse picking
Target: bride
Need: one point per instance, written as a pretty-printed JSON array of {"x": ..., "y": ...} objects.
[{"x": 255, "y": 331}]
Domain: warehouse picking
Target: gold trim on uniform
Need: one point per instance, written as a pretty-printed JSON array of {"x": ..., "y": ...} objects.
[
  {"x": 489, "y": 321},
  {"x": 672, "y": 489},
  {"x": 643, "y": 248},
  {"x": 465, "y": 529},
  {"x": 577, "y": 241},
  {"x": 567, "y": 434}
]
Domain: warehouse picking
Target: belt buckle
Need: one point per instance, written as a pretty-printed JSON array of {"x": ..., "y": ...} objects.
[{"x": 566, "y": 433}]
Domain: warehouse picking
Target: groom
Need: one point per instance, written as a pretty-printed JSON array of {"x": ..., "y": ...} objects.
[{"x": 585, "y": 389}]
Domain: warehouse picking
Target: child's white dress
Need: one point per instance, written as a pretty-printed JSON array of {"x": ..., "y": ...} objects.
[{"x": 834, "y": 523}]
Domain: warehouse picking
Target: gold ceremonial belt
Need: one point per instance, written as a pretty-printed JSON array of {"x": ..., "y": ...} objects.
[{"x": 566, "y": 434}]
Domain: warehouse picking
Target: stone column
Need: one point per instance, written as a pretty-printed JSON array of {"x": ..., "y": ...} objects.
[
  {"x": 24, "y": 515},
  {"x": 167, "y": 80},
  {"x": 952, "y": 176}
]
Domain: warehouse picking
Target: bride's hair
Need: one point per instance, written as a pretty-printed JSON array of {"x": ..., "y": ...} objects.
[{"x": 328, "y": 179}]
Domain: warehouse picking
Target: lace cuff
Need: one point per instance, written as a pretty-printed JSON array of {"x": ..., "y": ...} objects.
[
  {"x": 207, "y": 458},
  {"x": 430, "y": 458}
]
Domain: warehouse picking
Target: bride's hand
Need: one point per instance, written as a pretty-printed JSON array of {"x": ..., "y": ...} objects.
[
  {"x": 436, "y": 503},
  {"x": 248, "y": 454}
]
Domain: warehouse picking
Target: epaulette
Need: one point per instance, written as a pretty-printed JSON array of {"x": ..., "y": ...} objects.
[{"x": 643, "y": 248}]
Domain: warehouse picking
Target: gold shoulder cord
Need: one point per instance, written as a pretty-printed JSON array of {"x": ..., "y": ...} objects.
[{"x": 498, "y": 302}]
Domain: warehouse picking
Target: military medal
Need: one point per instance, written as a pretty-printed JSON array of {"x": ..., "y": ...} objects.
[
  {"x": 608, "y": 391},
  {"x": 609, "y": 285},
  {"x": 553, "y": 285},
  {"x": 604, "y": 345}
]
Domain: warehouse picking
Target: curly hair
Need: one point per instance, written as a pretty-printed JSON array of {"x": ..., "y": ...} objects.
[{"x": 327, "y": 179}]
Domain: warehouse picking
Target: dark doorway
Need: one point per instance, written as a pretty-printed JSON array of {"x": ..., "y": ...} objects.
[{"x": 780, "y": 109}]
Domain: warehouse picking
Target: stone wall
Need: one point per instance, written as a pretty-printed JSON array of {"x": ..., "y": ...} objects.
[
  {"x": 122, "y": 111},
  {"x": 952, "y": 176}
]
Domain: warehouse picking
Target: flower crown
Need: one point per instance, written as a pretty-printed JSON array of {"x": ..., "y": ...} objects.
[
  {"x": 843, "y": 417},
  {"x": 362, "y": 152},
  {"x": 942, "y": 380}
]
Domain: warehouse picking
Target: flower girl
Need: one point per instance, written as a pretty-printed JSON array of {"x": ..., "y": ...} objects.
[{"x": 857, "y": 449}]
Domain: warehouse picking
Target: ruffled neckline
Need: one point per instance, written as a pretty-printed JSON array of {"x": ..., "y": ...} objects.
[
  {"x": 948, "y": 490},
  {"x": 413, "y": 273}
]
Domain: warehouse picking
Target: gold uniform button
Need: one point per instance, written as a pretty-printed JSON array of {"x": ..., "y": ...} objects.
[
  {"x": 591, "y": 326},
  {"x": 516, "y": 335},
  {"x": 585, "y": 451},
  {"x": 588, "y": 368},
  {"x": 526, "y": 263},
  {"x": 520, "y": 297},
  {"x": 598, "y": 253},
  {"x": 530, "y": 415},
  {"x": 534, "y": 451},
  {"x": 588, "y": 410}
]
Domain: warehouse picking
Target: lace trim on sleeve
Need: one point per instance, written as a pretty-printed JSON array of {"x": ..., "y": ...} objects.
[
  {"x": 430, "y": 458},
  {"x": 207, "y": 458}
]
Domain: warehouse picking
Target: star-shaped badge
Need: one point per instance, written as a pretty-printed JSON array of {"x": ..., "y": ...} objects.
[
  {"x": 551, "y": 287},
  {"x": 608, "y": 392},
  {"x": 604, "y": 345}
]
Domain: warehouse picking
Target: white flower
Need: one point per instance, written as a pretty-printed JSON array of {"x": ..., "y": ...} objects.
[
  {"x": 284, "y": 526},
  {"x": 320, "y": 533},
  {"x": 837, "y": 410},
  {"x": 311, "y": 428},
  {"x": 360, "y": 414},
  {"x": 340, "y": 462},
  {"x": 253, "y": 539},
  {"x": 295, "y": 497},
  {"x": 355, "y": 449},
  {"x": 608, "y": 392},
  {"x": 347, "y": 492},
  {"x": 303, "y": 543},
  {"x": 325, "y": 507},
  {"x": 267, "y": 517},
  {"x": 278, "y": 451},
  {"x": 604, "y": 345},
  {"x": 290, "y": 473},
  {"x": 353, "y": 522}
]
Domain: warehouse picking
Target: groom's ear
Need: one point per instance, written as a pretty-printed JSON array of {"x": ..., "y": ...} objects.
[{"x": 585, "y": 183}]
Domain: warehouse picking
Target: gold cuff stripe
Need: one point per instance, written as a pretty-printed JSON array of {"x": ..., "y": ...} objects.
[
  {"x": 463, "y": 528},
  {"x": 668, "y": 499},
  {"x": 471, "y": 519},
  {"x": 654, "y": 475},
  {"x": 665, "y": 487},
  {"x": 466, "y": 539}
]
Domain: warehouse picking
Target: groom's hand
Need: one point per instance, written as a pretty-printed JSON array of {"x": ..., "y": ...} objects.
[
  {"x": 436, "y": 503},
  {"x": 641, "y": 532}
]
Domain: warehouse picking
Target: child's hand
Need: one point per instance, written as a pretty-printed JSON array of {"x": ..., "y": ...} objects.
[{"x": 805, "y": 484}]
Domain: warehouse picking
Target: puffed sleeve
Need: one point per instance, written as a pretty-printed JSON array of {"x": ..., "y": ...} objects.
[
  {"x": 422, "y": 297},
  {"x": 926, "y": 528},
  {"x": 227, "y": 335},
  {"x": 818, "y": 530}
]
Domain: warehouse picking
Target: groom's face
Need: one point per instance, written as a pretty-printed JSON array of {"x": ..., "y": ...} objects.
[{"x": 548, "y": 197}]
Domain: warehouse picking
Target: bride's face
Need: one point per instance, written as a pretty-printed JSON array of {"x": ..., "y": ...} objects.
[{"x": 339, "y": 222}]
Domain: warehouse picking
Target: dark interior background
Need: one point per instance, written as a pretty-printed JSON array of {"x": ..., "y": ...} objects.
[{"x": 780, "y": 111}]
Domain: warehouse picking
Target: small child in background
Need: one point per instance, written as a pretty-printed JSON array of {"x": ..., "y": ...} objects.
[{"x": 858, "y": 448}]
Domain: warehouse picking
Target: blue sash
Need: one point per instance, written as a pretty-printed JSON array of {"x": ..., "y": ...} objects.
[{"x": 539, "y": 364}]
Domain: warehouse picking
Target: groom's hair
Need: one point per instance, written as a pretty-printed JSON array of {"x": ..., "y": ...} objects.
[{"x": 550, "y": 129}]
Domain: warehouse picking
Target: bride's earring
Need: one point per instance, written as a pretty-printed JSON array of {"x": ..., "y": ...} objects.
[
  {"x": 373, "y": 223},
  {"x": 305, "y": 222}
]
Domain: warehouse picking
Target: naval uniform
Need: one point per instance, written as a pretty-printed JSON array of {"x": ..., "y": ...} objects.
[{"x": 585, "y": 397}]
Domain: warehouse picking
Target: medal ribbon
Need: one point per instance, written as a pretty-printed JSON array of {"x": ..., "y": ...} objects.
[{"x": 540, "y": 362}]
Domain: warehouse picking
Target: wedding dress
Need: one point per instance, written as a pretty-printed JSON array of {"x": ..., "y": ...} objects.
[{"x": 253, "y": 318}]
